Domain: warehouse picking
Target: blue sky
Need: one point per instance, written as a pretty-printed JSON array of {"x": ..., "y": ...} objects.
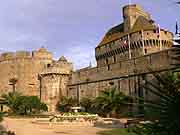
[{"x": 72, "y": 28}]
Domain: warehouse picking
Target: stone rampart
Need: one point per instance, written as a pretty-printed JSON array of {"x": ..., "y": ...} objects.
[
  {"x": 92, "y": 81},
  {"x": 25, "y": 67}
]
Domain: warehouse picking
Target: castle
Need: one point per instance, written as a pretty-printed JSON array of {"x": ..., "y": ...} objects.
[{"x": 123, "y": 58}]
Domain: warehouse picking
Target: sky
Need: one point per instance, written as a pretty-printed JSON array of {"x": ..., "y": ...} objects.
[{"x": 72, "y": 28}]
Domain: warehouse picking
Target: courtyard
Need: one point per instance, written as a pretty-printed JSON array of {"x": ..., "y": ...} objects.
[{"x": 26, "y": 127}]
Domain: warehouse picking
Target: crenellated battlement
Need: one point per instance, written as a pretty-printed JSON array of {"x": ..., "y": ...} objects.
[
  {"x": 62, "y": 66},
  {"x": 23, "y": 54},
  {"x": 42, "y": 53}
]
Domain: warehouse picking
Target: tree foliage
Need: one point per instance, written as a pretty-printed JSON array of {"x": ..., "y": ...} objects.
[
  {"x": 110, "y": 101},
  {"x": 66, "y": 103},
  {"x": 20, "y": 104},
  {"x": 167, "y": 120},
  {"x": 86, "y": 103}
]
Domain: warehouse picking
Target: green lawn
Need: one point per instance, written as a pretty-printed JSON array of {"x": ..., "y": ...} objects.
[{"x": 119, "y": 131}]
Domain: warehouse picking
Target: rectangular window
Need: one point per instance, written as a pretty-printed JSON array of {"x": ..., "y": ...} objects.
[{"x": 106, "y": 61}]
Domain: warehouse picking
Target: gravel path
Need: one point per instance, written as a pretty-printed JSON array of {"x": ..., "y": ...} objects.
[{"x": 26, "y": 127}]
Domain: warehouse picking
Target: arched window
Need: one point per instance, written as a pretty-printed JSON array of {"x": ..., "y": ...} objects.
[
  {"x": 151, "y": 42},
  {"x": 154, "y": 43},
  {"x": 145, "y": 51},
  {"x": 108, "y": 67}
]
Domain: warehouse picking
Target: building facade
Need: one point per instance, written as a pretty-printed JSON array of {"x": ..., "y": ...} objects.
[{"x": 123, "y": 58}]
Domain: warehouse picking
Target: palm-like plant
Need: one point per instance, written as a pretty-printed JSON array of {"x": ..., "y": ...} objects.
[
  {"x": 176, "y": 57},
  {"x": 167, "y": 88},
  {"x": 13, "y": 82},
  {"x": 86, "y": 103},
  {"x": 11, "y": 100},
  {"x": 65, "y": 104},
  {"x": 20, "y": 104},
  {"x": 110, "y": 101}
]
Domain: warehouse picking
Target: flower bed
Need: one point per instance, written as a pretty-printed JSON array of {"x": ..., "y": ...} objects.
[{"x": 74, "y": 116}]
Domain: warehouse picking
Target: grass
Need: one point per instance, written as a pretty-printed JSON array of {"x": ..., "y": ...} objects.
[{"x": 118, "y": 131}]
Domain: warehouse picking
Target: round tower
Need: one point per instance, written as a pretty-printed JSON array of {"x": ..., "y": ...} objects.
[
  {"x": 137, "y": 36},
  {"x": 54, "y": 81}
]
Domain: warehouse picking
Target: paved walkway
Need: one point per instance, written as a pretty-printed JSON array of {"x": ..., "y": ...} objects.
[{"x": 26, "y": 127}]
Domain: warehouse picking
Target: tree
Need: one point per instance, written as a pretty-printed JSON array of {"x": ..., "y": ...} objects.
[
  {"x": 176, "y": 57},
  {"x": 87, "y": 104},
  {"x": 167, "y": 120},
  {"x": 110, "y": 101},
  {"x": 43, "y": 107},
  {"x": 11, "y": 99},
  {"x": 30, "y": 105},
  {"x": 65, "y": 104},
  {"x": 20, "y": 104},
  {"x": 13, "y": 82}
]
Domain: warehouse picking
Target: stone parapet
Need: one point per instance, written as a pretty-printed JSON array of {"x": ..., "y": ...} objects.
[{"x": 156, "y": 61}]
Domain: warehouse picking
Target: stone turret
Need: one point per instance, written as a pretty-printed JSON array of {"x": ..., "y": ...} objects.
[
  {"x": 42, "y": 53},
  {"x": 130, "y": 14},
  {"x": 62, "y": 58},
  {"x": 54, "y": 81}
]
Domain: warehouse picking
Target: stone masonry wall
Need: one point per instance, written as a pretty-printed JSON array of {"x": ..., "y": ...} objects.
[
  {"x": 91, "y": 81},
  {"x": 25, "y": 67}
]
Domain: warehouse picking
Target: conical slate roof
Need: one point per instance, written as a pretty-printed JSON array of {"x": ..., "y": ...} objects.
[{"x": 62, "y": 58}]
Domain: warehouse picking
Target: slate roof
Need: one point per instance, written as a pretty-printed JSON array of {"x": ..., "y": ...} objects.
[
  {"x": 118, "y": 31},
  {"x": 143, "y": 24}
]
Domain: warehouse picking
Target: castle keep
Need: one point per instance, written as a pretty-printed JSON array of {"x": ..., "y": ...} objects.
[{"x": 123, "y": 58}]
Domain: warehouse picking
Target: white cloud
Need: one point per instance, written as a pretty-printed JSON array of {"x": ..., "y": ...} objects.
[{"x": 81, "y": 56}]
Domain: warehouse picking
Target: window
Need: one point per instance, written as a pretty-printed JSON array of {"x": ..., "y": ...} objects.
[
  {"x": 48, "y": 65},
  {"x": 108, "y": 67},
  {"x": 145, "y": 50},
  {"x": 106, "y": 61},
  {"x": 114, "y": 57},
  {"x": 111, "y": 83}
]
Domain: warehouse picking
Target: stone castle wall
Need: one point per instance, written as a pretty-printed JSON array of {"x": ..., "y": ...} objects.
[
  {"x": 25, "y": 67},
  {"x": 91, "y": 81},
  {"x": 38, "y": 74}
]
